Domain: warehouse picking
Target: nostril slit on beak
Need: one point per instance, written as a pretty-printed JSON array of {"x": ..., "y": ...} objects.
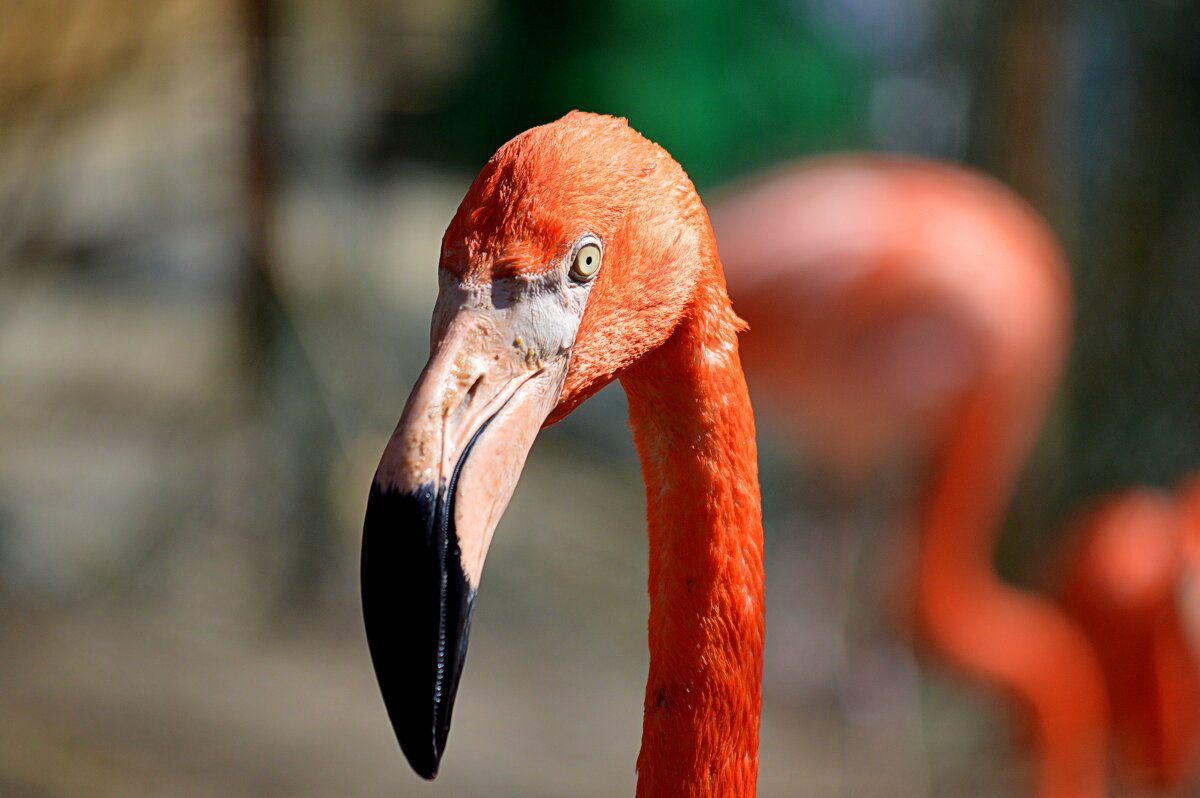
[{"x": 472, "y": 391}]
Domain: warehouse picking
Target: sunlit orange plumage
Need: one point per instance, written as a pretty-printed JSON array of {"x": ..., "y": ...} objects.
[
  {"x": 898, "y": 303},
  {"x": 657, "y": 317}
]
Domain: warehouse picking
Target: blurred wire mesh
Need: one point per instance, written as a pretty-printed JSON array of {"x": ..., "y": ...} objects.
[{"x": 219, "y": 222}]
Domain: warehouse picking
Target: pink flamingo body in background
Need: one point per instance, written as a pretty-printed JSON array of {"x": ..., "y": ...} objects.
[
  {"x": 1131, "y": 583},
  {"x": 900, "y": 301}
]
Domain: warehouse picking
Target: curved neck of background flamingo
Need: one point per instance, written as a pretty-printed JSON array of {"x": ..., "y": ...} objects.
[
  {"x": 694, "y": 431},
  {"x": 1004, "y": 637}
]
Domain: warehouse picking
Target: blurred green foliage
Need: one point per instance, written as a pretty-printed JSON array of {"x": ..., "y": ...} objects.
[{"x": 725, "y": 86}]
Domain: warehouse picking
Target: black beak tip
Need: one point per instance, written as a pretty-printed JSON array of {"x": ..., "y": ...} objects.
[
  {"x": 408, "y": 711},
  {"x": 421, "y": 742},
  {"x": 424, "y": 759},
  {"x": 417, "y": 607}
]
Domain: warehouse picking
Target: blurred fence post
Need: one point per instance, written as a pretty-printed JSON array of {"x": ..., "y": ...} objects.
[
  {"x": 1029, "y": 62},
  {"x": 280, "y": 383},
  {"x": 259, "y": 308}
]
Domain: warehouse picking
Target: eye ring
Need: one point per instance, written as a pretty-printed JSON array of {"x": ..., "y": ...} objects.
[{"x": 585, "y": 263}]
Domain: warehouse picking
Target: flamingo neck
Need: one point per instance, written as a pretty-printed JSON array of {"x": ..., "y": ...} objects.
[
  {"x": 1007, "y": 638},
  {"x": 694, "y": 431}
]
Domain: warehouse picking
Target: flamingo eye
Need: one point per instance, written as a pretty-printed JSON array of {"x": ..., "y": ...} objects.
[{"x": 587, "y": 263}]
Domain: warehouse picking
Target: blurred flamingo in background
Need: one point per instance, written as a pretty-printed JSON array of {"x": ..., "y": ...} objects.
[
  {"x": 1131, "y": 583},
  {"x": 900, "y": 301}
]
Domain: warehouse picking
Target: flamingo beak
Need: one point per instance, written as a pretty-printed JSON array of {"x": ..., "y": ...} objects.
[{"x": 444, "y": 481}]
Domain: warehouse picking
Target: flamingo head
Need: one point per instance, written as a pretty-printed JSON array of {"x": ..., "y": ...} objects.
[{"x": 575, "y": 252}]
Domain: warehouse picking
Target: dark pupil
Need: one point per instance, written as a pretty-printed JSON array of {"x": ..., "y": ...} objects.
[{"x": 589, "y": 260}]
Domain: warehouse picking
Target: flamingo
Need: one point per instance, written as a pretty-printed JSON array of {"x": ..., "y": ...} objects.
[
  {"x": 896, "y": 302},
  {"x": 1131, "y": 583},
  {"x": 581, "y": 253}
]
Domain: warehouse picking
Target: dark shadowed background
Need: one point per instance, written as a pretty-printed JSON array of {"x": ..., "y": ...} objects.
[{"x": 219, "y": 226}]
